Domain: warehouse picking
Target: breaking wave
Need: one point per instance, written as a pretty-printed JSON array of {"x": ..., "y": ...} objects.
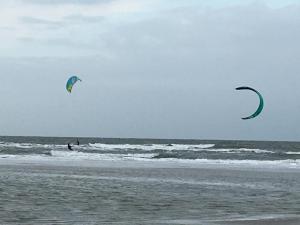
[
  {"x": 207, "y": 153},
  {"x": 293, "y": 153},
  {"x": 148, "y": 157},
  {"x": 151, "y": 147}
]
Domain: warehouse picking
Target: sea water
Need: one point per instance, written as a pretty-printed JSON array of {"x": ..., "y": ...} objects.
[{"x": 146, "y": 181}]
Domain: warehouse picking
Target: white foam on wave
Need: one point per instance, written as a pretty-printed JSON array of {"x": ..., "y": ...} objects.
[
  {"x": 145, "y": 147},
  {"x": 240, "y": 150},
  {"x": 293, "y": 153},
  {"x": 57, "y": 155},
  {"x": 29, "y": 145},
  {"x": 74, "y": 155},
  {"x": 110, "y": 147},
  {"x": 255, "y": 163}
]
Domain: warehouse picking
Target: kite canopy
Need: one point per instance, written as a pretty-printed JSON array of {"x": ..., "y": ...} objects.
[
  {"x": 70, "y": 83},
  {"x": 261, "y": 102}
]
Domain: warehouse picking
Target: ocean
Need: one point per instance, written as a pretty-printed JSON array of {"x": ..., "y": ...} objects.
[{"x": 148, "y": 181}]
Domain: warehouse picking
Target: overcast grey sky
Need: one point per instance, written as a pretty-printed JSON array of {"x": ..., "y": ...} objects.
[{"x": 150, "y": 68}]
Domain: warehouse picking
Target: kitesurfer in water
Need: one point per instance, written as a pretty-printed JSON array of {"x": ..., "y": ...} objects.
[
  {"x": 77, "y": 142},
  {"x": 70, "y": 147}
]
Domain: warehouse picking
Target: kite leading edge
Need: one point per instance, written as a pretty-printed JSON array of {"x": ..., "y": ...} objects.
[{"x": 261, "y": 102}]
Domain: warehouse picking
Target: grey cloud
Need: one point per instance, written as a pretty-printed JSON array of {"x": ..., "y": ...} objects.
[
  {"x": 173, "y": 76},
  {"x": 72, "y": 20},
  {"x": 64, "y": 2},
  {"x": 232, "y": 37},
  {"x": 57, "y": 42},
  {"x": 43, "y": 22},
  {"x": 84, "y": 19},
  {"x": 7, "y": 28}
]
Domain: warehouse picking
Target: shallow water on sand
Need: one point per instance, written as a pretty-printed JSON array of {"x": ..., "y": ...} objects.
[{"x": 35, "y": 193}]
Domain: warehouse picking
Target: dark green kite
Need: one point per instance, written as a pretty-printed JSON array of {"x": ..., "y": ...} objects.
[{"x": 261, "y": 102}]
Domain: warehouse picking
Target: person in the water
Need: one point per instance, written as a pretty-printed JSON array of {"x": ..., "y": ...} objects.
[
  {"x": 70, "y": 147},
  {"x": 77, "y": 142}
]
